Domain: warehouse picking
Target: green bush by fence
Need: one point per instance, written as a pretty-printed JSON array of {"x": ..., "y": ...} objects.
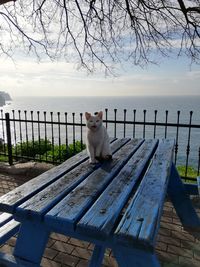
[{"x": 44, "y": 150}]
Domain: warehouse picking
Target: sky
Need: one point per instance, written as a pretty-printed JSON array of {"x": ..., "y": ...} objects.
[{"x": 27, "y": 77}]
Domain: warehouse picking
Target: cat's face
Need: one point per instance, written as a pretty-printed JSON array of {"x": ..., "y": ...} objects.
[{"x": 94, "y": 122}]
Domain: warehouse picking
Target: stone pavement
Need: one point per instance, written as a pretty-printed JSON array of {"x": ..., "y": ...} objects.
[{"x": 175, "y": 247}]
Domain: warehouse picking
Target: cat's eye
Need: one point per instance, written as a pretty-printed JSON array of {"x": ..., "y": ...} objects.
[{"x": 97, "y": 121}]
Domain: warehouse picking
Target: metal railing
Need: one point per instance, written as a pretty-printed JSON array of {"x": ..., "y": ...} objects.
[{"x": 60, "y": 136}]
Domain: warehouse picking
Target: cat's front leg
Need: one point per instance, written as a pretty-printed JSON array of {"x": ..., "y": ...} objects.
[
  {"x": 98, "y": 152},
  {"x": 91, "y": 153}
]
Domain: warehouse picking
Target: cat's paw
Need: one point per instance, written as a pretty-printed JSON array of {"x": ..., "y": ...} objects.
[
  {"x": 93, "y": 161},
  {"x": 99, "y": 159},
  {"x": 108, "y": 157}
]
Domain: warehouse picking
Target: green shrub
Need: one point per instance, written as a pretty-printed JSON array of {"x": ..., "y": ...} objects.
[
  {"x": 60, "y": 154},
  {"x": 44, "y": 150},
  {"x": 191, "y": 172},
  {"x": 31, "y": 149}
]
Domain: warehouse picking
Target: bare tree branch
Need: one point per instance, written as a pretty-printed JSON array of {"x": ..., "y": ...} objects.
[
  {"x": 102, "y": 32},
  {"x": 6, "y": 1}
]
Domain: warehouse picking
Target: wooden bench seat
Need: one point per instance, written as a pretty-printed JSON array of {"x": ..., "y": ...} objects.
[{"x": 8, "y": 227}]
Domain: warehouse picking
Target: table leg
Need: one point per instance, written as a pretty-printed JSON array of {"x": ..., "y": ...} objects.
[
  {"x": 181, "y": 201},
  {"x": 31, "y": 242},
  {"x": 97, "y": 256},
  {"x": 127, "y": 257}
]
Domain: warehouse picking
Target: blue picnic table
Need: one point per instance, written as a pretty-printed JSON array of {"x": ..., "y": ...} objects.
[{"x": 115, "y": 204}]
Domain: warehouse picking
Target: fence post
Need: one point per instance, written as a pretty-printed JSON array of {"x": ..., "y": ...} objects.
[{"x": 9, "y": 143}]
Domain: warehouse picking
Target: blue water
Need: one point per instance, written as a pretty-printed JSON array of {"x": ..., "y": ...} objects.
[
  {"x": 81, "y": 104},
  {"x": 184, "y": 104}
]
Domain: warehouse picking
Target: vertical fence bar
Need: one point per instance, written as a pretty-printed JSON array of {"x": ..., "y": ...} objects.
[
  {"x": 134, "y": 118},
  {"x": 177, "y": 137},
  {"x": 3, "y": 132},
  {"x": 188, "y": 144},
  {"x": 198, "y": 169},
  {"x": 125, "y": 122},
  {"x": 115, "y": 124},
  {"x": 155, "y": 119},
  {"x": 144, "y": 122},
  {"x": 45, "y": 132},
  {"x": 32, "y": 132},
  {"x": 106, "y": 111},
  {"x": 74, "y": 134},
  {"x": 20, "y": 129},
  {"x": 9, "y": 141},
  {"x": 52, "y": 136},
  {"x": 166, "y": 120},
  {"x": 66, "y": 135},
  {"x": 81, "y": 129},
  {"x": 39, "y": 137},
  {"x": 26, "y": 128},
  {"x": 15, "y": 136},
  {"x": 59, "y": 138}
]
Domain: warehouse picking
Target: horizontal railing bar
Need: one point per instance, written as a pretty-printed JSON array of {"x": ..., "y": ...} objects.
[{"x": 183, "y": 125}]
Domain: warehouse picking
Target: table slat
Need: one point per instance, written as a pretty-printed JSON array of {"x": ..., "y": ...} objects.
[
  {"x": 42, "y": 202},
  {"x": 101, "y": 218},
  {"x": 139, "y": 222},
  {"x": 9, "y": 201},
  {"x": 71, "y": 208}
]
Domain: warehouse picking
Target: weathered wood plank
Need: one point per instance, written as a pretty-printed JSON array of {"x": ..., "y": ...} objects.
[
  {"x": 9, "y": 201},
  {"x": 42, "y": 202},
  {"x": 101, "y": 218},
  {"x": 12, "y": 199},
  {"x": 72, "y": 207},
  {"x": 7, "y": 230},
  {"x": 4, "y": 218},
  {"x": 141, "y": 219}
]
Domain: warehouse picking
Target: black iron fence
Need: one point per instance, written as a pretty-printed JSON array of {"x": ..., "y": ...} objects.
[{"x": 53, "y": 137}]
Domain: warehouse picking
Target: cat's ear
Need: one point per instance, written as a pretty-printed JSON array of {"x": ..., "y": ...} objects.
[
  {"x": 87, "y": 116},
  {"x": 100, "y": 114}
]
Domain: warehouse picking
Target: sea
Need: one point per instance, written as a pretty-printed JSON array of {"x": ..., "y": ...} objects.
[{"x": 172, "y": 104}]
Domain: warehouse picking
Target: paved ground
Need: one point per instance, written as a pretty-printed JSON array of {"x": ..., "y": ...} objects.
[{"x": 175, "y": 246}]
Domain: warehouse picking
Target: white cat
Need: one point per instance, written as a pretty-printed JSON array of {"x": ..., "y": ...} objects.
[{"x": 97, "y": 141}]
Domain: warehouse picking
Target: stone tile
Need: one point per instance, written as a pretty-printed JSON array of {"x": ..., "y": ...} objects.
[
  {"x": 63, "y": 247},
  {"x": 169, "y": 240},
  {"x": 187, "y": 262},
  {"x": 161, "y": 246},
  {"x": 166, "y": 219},
  {"x": 82, "y": 253},
  {"x": 50, "y": 253},
  {"x": 6, "y": 249},
  {"x": 167, "y": 257},
  {"x": 59, "y": 237},
  {"x": 180, "y": 251},
  {"x": 78, "y": 243},
  {"x": 170, "y": 226},
  {"x": 50, "y": 242},
  {"x": 183, "y": 235},
  {"x": 66, "y": 259},
  {"x": 49, "y": 263},
  {"x": 164, "y": 231},
  {"x": 12, "y": 241}
]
